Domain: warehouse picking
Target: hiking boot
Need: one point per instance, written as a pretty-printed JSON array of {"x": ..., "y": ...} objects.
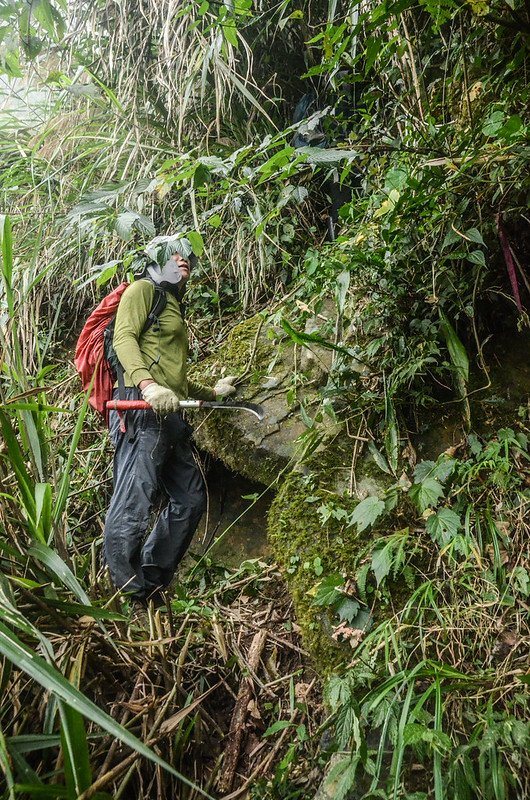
[
  {"x": 139, "y": 614},
  {"x": 158, "y": 598}
]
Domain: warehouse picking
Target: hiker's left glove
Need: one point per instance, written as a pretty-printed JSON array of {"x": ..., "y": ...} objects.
[
  {"x": 161, "y": 400},
  {"x": 225, "y": 386}
]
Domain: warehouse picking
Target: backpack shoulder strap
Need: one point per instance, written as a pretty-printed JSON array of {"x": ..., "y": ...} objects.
[{"x": 159, "y": 304}]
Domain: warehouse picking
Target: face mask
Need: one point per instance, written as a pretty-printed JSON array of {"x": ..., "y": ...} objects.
[{"x": 168, "y": 277}]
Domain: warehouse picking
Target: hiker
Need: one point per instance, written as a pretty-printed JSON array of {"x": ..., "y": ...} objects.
[{"x": 154, "y": 455}]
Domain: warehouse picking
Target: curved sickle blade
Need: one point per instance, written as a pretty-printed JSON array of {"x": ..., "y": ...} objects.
[
  {"x": 253, "y": 408},
  {"x": 228, "y": 404}
]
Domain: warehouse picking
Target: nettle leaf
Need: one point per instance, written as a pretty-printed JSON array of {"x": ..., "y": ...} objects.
[
  {"x": 366, "y": 512},
  {"x": 474, "y": 444},
  {"x": 440, "y": 470},
  {"x": 326, "y": 592},
  {"x": 381, "y": 564},
  {"x": 521, "y": 580},
  {"x": 348, "y": 609},
  {"x": 390, "y": 557},
  {"x": 477, "y": 257},
  {"x": 423, "y": 470},
  {"x": 130, "y": 221},
  {"x": 414, "y": 733},
  {"x": 426, "y": 494},
  {"x": 494, "y": 123},
  {"x": 444, "y": 468},
  {"x": 443, "y": 526},
  {"x": 475, "y": 236}
]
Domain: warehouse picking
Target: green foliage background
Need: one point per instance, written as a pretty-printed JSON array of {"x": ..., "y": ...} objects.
[{"x": 156, "y": 119}]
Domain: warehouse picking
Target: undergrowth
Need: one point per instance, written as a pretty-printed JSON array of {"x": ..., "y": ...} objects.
[{"x": 387, "y": 225}]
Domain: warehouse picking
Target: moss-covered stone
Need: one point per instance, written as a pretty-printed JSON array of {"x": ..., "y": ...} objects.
[
  {"x": 245, "y": 351},
  {"x": 259, "y": 451},
  {"x": 307, "y": 548},
  {"x": 298, "y": 536}
]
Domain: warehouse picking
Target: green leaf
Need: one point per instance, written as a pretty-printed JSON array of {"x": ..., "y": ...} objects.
[
  {"x": 379, "y": 458},
  {"x": 215, "y": 221},
  {"x": 443, "y": 526},
  {"x": 50, "y": 559},
  {"x": 493, "y": 124},
  {"x": 425, "y": 469},
  {"x": 443, "y": 468},
  {"x": 348, "y": 609},
  {"x": 80, "y": 610},
  {"x": 74, "y": 744},
  {"x": 341, "y": 778},
  {"x": 413, "y": 733},
  {"x": 391, "y": 439},
  {"x": 512, "y": 125},
  {"x": 6, "y": 241},
  {"x": 381, "y": 563},
  {"x": 456, "y": 349},
  {"x": 306, "y": 419},
  {"x": 475, "y": 236},
  {"x": 6, "y": 767},
  {"x": 43, "y": 510},
  {"x": 40, "y": 791},
  {"x": 477, "y": 257},
  {"x": 18, "y": 464},
  {"x": 366, "y": 512},
  {"x": 426, "y": 494},
  {"x": 230, "y": 34},
  {"x": 197, "y": 243},
  {"x": 311, "y": 338},
  {"x": 522, "y": 580},
  {"x": 280, "y": 725},
  {"x": 31, "y": 742},
  {"x": 326, "y": 592},
  {"x": 51, "y": 680},
  {"x": 130, "y": 221},
  {"x": 48, "y": 18}
]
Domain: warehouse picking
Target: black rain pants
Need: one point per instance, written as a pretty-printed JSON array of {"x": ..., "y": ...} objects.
[{"x": 153, "y": 457}]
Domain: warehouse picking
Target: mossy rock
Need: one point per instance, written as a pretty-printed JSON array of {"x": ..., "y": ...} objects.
[
  {"x": 270, "y": 452},
  {"x": 258, "y": 450}
]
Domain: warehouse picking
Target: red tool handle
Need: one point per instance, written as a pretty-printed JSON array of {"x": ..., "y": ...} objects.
[{"x": 127, "y": 405}]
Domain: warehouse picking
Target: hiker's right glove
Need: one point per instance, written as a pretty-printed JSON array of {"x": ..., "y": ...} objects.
[
  {"x": 161, "y": 400},
  {"x": 225, "y": 386}
]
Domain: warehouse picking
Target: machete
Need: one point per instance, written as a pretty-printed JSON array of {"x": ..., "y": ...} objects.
[{"x": 129, "y": 405}]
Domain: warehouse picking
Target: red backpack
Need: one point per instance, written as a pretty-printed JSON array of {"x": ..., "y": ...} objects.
[{"x": 95, "y": 360}]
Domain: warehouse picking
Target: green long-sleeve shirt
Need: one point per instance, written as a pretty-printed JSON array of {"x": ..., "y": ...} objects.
[{"x": 159, "y": 354}]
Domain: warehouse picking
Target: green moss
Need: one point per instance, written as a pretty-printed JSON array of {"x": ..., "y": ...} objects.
[
  {"x": 220, "y": 436},
  {"x": 241, "y": 351},
  {"x": 296, "y": 531},
  {"x": 298, "y": 536},
  {"x": 246, "y": 348}
]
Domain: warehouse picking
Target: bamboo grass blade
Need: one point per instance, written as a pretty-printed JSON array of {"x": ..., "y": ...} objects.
[
  {"x": 50, "y": 679},
  {"x": 6, "y": 241},
  {"x": 6, "y": 767},
  {"x": 62, "y": 571},
  {"x": 78, "y": 773}
]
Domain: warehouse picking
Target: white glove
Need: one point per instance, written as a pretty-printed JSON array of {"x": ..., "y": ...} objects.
[
  {"x": 225, "y": 386},
  {"x": 161, "y": 400}
]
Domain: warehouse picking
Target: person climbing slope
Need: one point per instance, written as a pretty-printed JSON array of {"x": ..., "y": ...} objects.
[{"x": 154, "y": 456}]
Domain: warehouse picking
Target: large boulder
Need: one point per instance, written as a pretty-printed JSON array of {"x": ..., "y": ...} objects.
[{"x": 308, "y": 466}]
